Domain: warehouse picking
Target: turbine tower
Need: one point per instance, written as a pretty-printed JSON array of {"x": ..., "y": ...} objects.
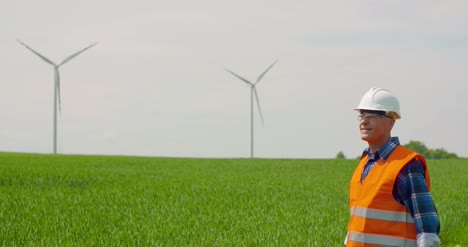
[
  {"x": 56, "y": 83},
  {"x": 253, "y": 93}
]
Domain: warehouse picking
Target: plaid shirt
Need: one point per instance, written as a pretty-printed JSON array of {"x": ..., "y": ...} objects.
[{"x": 410, "y": 188}]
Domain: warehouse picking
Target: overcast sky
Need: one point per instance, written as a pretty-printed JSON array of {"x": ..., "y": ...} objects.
[{"x": 155, "y": 83}]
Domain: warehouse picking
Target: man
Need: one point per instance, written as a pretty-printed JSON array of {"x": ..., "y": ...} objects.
[{"x": 390, "y": 200}]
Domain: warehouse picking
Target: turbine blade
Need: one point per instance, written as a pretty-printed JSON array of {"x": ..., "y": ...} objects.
[
  {"x": 76, "y": 54},
  {"x": 264, "y": 73},
  {"x": 37, "y": 53},
  {"x": 258, "y": 103},
  {"x": 240, "y": 77},
  {"x": 57, "y": 89}
]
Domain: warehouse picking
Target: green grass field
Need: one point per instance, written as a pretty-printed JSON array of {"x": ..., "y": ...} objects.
[{"x": 64, "y": 200}]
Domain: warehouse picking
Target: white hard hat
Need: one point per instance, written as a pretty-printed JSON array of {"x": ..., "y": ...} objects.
[{"x": 379, "y": 99}]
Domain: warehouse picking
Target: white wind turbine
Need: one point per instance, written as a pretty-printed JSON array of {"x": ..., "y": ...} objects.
[
  {"x": 56, "y": 83},
  {"x": 253, "y": 93}
]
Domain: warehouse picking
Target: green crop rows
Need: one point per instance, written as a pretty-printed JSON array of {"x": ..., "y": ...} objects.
[{"x": 66, "y": 200}]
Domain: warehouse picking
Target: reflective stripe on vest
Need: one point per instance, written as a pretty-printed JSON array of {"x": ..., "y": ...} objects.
[
  {"x": 380, "y": 240},
  {"x": 382, "y": 215}
]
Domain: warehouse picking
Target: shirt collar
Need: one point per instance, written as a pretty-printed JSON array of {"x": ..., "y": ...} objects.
[{"x": 385, "y": 151}]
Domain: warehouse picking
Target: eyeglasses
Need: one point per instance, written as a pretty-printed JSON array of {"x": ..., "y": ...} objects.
[{"x": 370, "y": 117}]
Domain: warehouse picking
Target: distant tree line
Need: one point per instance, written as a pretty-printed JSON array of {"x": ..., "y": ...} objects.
[
  {"x": 419, "y": 147},
  {"x": 438, "y": 153},
  {"x": 340, "y": 155}
]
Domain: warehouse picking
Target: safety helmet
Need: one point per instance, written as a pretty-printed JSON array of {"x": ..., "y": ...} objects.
[{"x": 379, "y": 99}]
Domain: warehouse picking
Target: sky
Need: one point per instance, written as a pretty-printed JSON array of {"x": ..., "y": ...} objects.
[{"x": 155, "y": 84}]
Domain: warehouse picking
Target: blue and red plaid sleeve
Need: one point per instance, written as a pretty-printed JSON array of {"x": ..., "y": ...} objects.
[{"x": 411, "y": 190}]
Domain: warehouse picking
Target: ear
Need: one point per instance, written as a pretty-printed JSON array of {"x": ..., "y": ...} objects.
[{"x": 391, "y": 123}]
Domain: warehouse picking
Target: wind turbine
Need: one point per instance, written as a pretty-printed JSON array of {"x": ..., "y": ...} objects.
[
  {"x": 56, "y": 83},
  {"x": 253, "y": 93}
]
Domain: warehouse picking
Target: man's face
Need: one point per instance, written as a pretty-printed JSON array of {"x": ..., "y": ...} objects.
[{"x": 374, "y": 127}]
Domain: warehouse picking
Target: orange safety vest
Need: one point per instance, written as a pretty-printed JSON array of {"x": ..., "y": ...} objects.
[{"x": 377, "y": 219}]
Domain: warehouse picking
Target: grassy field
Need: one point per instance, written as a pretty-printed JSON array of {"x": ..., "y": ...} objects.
[{"x": 62, "y": 200}]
